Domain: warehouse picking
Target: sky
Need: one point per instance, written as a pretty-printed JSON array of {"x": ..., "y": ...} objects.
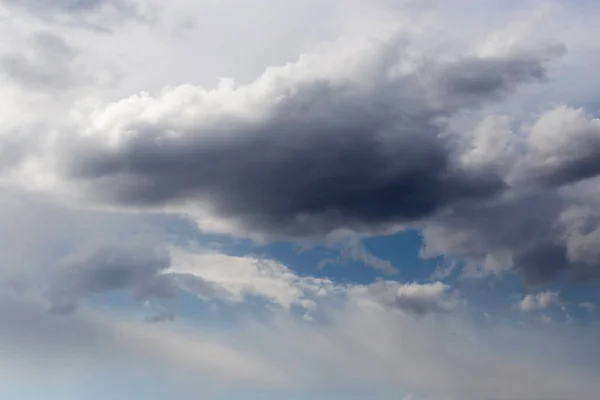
[{"x": 293, "y": 200}]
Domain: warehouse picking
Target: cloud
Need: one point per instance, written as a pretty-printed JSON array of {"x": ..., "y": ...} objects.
[
  {"x": 431, "y": 127},
  {"x": 159, "y": 318},
  {"x": 216, "y": 276},
  {"x": 315, "y": 146},
  {"x": 414, "y": 298},
  {"x": 46, "y": 8},
  {"x": 106, "y": 267},
  {"x": 302, "y": 150},
  {"x": 101, "y": 16},
  {"x": 487, "y": 238},
  {"x": 425, "y": 298},
  {"x": 539, "y": 301},
  {"x": 220, "y": 277},
  {"x": 75, "y": 6},
  {"x": 67, "y": 254},
  {"x": 358, "y": 344},
  {"x": 564, "y": 144},
  {"x": 589, "y": 307},
  {"x": 48, "y": 64},
  {"x": 545, "y": 227},
  {"x": 101, "y": 342}
]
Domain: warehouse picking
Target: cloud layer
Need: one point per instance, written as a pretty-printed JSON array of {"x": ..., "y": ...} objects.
[
  {"x": 165, "y": 232},
  {"x": 365, "y": 345}
]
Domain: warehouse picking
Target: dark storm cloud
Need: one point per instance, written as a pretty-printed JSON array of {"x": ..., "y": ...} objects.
[
  {"x": 328, "y": 155},
  {"x": 134, "y": 266}
]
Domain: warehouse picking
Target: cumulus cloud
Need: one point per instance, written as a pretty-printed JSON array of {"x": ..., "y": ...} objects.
[
  {"x": 425, "y": 298},
  {"x": 414, "y": 298},
  {"x": 366, "y": 135},
  {"x": 512, "y": 233},
  {"x": 357, "y": 136},
  {"x": 539, "y": 301},
  {"x": 564, "y": 144},
  {"x": 303, "y": 150},
  {"x": 544, "y": 227},
  {"x": 422, "y": 127},
  {"x": 306, "y": 149}
]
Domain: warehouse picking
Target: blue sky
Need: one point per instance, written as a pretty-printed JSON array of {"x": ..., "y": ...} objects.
[{"x": 299, "y": 200}]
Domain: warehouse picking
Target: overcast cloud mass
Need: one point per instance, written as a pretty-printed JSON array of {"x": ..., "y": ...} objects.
[{"x": 307, "y": 200}]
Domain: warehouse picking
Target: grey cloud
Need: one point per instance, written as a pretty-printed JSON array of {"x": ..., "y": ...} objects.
[
  {"x": 47, "y": 64},
  {"x": 41, "y": 230},
  {"x": 473, "y": 80},
  {"x": 584, "y": 167},
  {"x": 60, "y": 5},
  {"x": 46, "y": 7},
  {"x": 159, "y": 318},
  {"x": 328, "y": 155},
  {"x": 537, "y": 235},
  {"x": 547, "y": 231},
  {"x": 96, "y": 15},
  {"x": 15, "y": 146},
  {"x": 135, "y": 266},
  {"x": 564, "y": 147}
]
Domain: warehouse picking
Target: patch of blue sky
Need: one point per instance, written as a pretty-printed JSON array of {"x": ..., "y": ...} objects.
[
  {"x": 493, "y": 296},
  {"x": 401, "y": 249}
]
